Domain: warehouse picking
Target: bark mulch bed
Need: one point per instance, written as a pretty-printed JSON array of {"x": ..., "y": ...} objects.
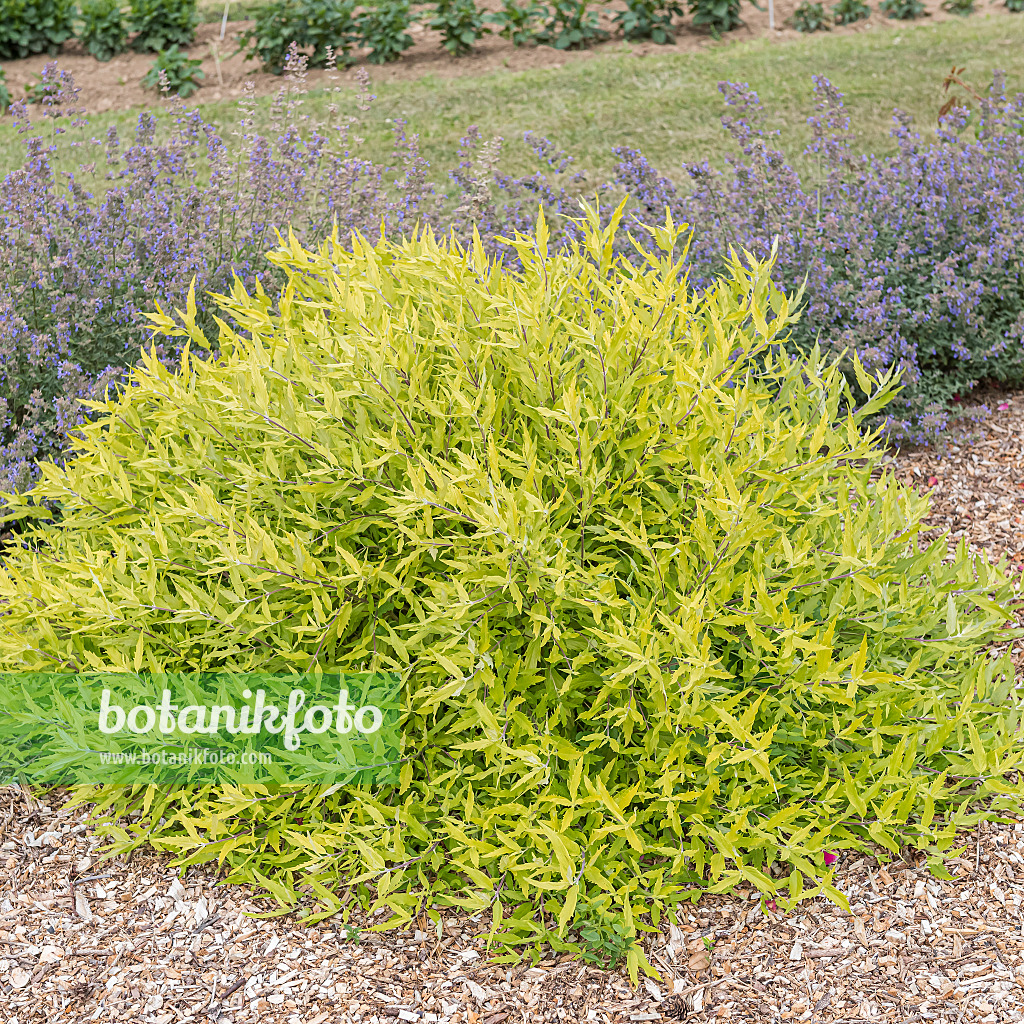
[{"x": 127, "y": 940}]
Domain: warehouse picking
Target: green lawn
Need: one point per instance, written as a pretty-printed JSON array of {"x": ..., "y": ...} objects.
[{"x": 669, "y": 105}]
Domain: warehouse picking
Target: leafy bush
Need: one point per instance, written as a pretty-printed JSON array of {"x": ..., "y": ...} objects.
[
  {"x": 810, "y": 17},
  {"x": 961, "y": 7},
  {"x": 103, "y": 32},
  {"x": 902, "y": 10},
  {"x": 174, "y": 72},
  {"x": 460, "y": 25},
  {"x": 325, "y": 28},
  {"x": 909, "y": 260},
  {"x": 520, "y": 23},
  {"x": 5, "y": 96},
  {"x": 846, "y": 12},
  {"x": 717, "y": 16},
  {"x": 649, "y": 19},
  {"x": 28, "y": 27},
  {"x": 383, "y": 28},
  {"x": 570, "y": 25},
  {"x": 160, "y": 24},
  {"x": 1015, "y": 5},
  {"x": 660, "y": 610}
]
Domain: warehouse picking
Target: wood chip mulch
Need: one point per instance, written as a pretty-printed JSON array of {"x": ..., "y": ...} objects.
[{"x": 128, "y": 940}]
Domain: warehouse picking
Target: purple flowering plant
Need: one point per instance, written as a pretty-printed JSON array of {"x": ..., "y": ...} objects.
[
  {"x": 911, "y": 260},
  {"x": 177, "y": 203},
  {"x": 914, "y": 260}
]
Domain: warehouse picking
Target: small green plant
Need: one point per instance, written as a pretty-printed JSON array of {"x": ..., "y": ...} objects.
[
  {"x": 810, "y": 17},
  {"x": 960, "y": 7},
  {"x": 902, "y": 10},
  {"x": 384, "y": 29},
  {"x": 160, "y": 24},
  {"x": 41, "y": 90},
  {"x": 319, "y": 27},
  {"x": 1017, "y": 6},
  {"x": 29, "y": 27},
  {"x": 102, "y": 32},
  {"x": 460, "y": 23},
  {"x": 649, "y": 19},
  {"x": 176, "y": 71},
  {"x": 846, "y": 12},
  {"x": 518, "y": 22},
  {"x": 5, "y": 95},
  {"x": 717, "y": 16},
  {"x": 604, "y": 939},
  {"x": 571, "y": 26}
]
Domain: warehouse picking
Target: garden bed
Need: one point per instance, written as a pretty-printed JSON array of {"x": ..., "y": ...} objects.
[
  {"x": 126, "y": 940},
  {"x": 116, "y": 84}
]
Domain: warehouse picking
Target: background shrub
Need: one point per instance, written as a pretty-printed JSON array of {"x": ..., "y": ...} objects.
[
  {"x": 717, "y": 16},
  {"x": 520, "y": 22},
  {"x": 649, "y": 607},
  {"x": 811, "y": 17},
  {"x": 570, "y": 25},
  {"x": 961, "y": 7},
  {"x": 902, "y": 10},
  {"x": 846, "y": 12},
  {"x": 383, "y": 28},
  {"x": 1015, "y": 5},
  {"x": 5, "y": 96},
  {"x": 160, "y": 24},
  {"x": 649, "y": 19},
  {"x": 103, "y": 32},
  {"x": 28, "y": 27},
  {"x": 460, "y": 23},
  {"x": 174, "y": 71},
  {"x": 324, "y": 29}
]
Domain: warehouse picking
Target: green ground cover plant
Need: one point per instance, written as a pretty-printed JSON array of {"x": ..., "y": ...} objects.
[{"x": 661, "y": 613}]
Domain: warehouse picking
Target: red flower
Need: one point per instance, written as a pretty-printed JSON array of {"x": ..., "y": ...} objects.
[
  {"x": 932, "y": 481},
  {"x": 830, "y": 859}
]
